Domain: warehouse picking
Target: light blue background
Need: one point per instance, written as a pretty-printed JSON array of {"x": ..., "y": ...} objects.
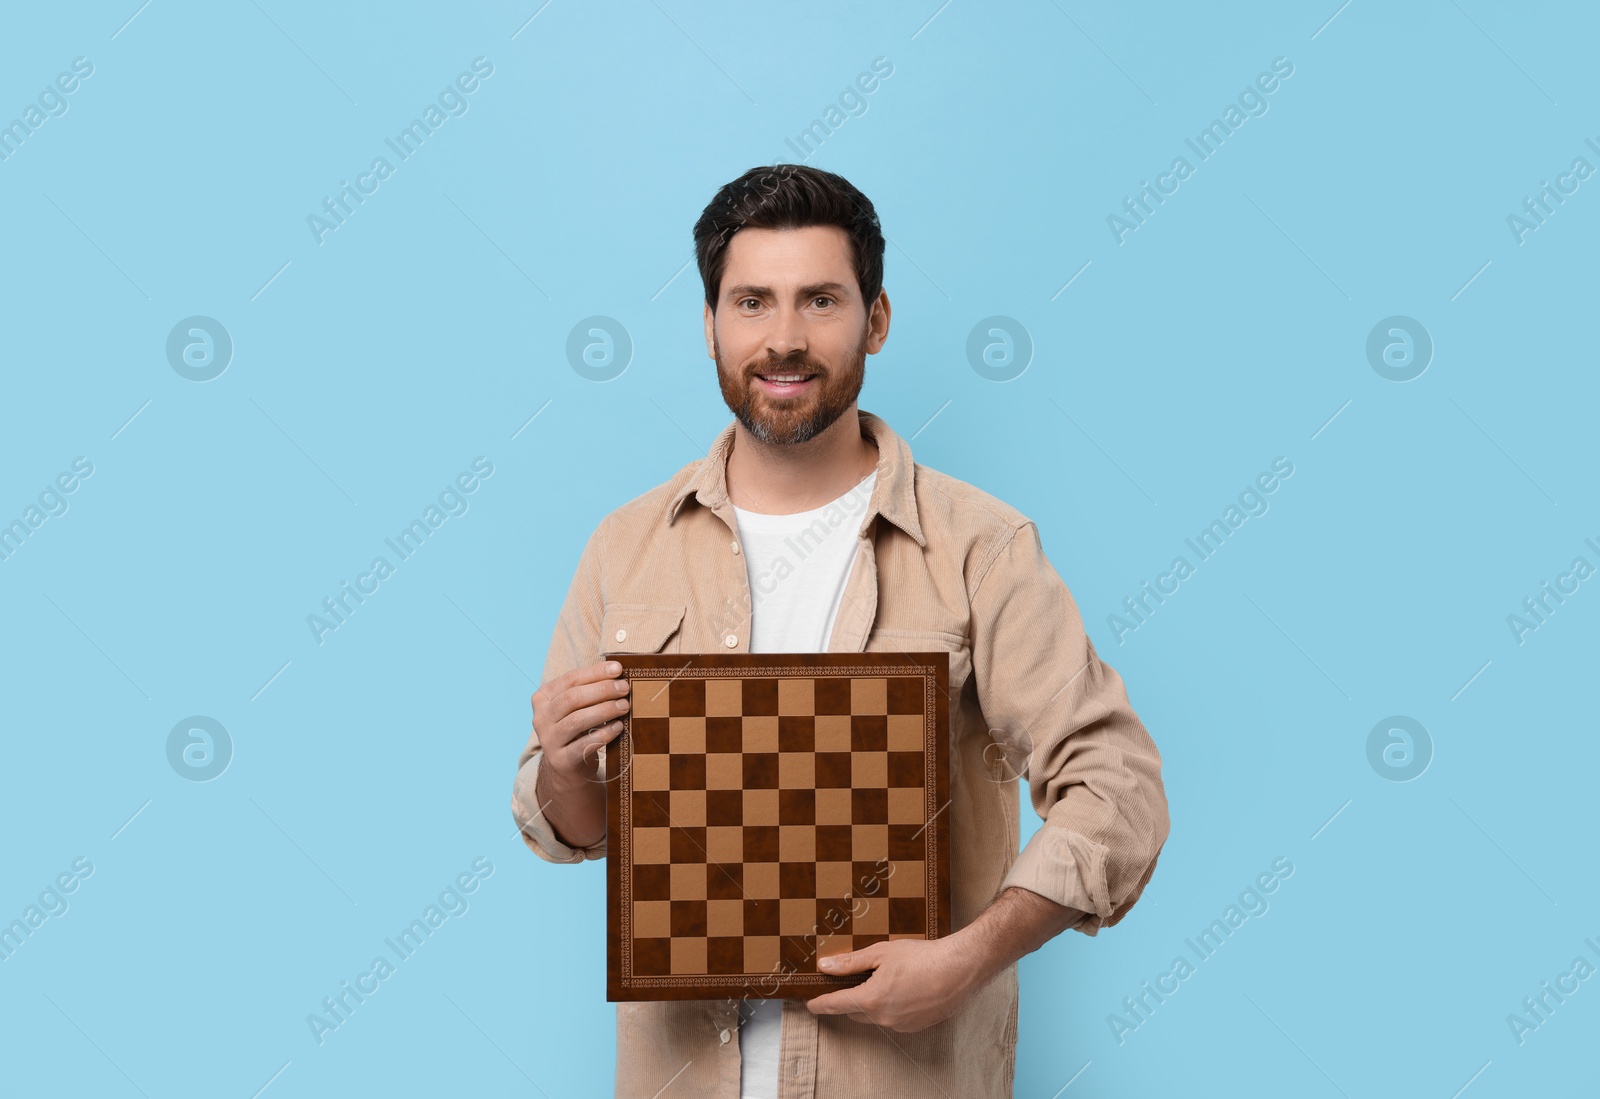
[{"x": 1230, "y": 329}]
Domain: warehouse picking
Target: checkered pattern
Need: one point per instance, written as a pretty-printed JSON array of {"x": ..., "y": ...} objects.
[{"x": 773, "y": 820}]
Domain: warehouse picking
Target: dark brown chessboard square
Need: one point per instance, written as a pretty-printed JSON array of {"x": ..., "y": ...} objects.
[
  {"x": 725, "y": 807},
  {"x": 652, "y": 882},
  {"x": 650, "y": 735},
  {"x": 905, "y": 694},
  {"x": 688, "y": 918},
  {"x": 869, "y": 806},
  {"x": 725, "y": 881},
  {"x": 832, "y": 694},
  {"x": 688, "y": 697},
  {"x": 652, "y": 957},
  {"x": 833, "y": 842},
  {"x": 688, "y": 845},
  {"x": 761, "y": 771},
  {"x": 649, "y": 809},
  {"x": 760, "y": 697},
  {"x": 760, "y": 843},
  {"x": 832, "y": 769},
  {"x": 761, "y": 917},
  {"x": 797, "y": 807},
  {"x": 796, "y": 733},
  {"x": 687, "y": 772},
  {"x": 797, "y": 880},
  {"x": 869, "y": 733},
  {"x": 767, "y": 809},
  {"x": 724, "y": 734},
  {"x": 725, "y": 954}
]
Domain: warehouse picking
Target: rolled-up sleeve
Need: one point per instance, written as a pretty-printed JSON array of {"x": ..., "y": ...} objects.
[
  {"x": 1093, "y": 772},
  {"x": 574, "y": 643}
]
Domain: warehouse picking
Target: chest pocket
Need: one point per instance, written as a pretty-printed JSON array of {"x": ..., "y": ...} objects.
[
  {"x": 910, "y": 641},
  {"x": 640, "y": 627}
]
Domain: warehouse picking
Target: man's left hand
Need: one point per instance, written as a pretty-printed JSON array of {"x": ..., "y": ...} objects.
[{"x": 915, "y": 983}]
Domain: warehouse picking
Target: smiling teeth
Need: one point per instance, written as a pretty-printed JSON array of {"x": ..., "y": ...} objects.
[{"x": 785, "y": 377}]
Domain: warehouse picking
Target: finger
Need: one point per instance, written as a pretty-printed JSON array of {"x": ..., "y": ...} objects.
[
  {"x": 846, "y": 1001},
  {"x": 577, "y": 677},
  {"x": 592, "y": 676},
  {"x": 574, "y": 712},
  {"x": 853, "y": 961},
  {"x": 589, "y": 744},
  {"x": 591, "y": 715},
  {"x": 830, "y": 1003}
]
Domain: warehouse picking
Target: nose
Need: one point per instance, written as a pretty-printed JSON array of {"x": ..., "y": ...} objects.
[{"x": 787, "y": 334}]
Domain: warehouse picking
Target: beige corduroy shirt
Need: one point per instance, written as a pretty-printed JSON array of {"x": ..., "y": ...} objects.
[{"x": 939, "y": 564}]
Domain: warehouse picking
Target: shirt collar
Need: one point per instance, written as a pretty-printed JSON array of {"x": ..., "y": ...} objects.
[{"x": 893, "y": 493}]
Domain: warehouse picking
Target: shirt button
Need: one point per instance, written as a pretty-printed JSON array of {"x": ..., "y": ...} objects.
[
  {"x": 730, "y": 641},
  {"x": 735, "y": 546},
  {"x": 724, "y": 1037},
  {"x": 622, "y": 635}
]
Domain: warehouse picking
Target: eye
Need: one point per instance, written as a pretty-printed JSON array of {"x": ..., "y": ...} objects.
[
  {"x": 822, "y": 297},
  {"x": 746, "y": 301}
]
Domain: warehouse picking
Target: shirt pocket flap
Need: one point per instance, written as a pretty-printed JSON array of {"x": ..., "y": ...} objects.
[{"x": 638, "y": 627}]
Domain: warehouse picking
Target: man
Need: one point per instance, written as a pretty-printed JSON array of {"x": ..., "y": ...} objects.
[{"x": 792, "y": 262}]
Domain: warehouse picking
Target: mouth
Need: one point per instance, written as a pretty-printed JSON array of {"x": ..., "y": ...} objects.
[{"x": 786, "y": 384}]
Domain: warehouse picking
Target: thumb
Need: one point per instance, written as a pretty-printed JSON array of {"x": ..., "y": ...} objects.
[{"x": 853, "y": 961}]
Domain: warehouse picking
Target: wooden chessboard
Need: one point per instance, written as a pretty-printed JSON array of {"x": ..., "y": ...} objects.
[{"x": 767, "y": 809}]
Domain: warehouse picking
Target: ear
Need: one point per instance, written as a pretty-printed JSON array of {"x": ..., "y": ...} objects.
[
  {"x": 711, "y": 334},
  {"x": 878, "y": 323}
]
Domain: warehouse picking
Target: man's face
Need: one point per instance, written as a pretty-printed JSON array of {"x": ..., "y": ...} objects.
[{"x": 790, "y": 307}]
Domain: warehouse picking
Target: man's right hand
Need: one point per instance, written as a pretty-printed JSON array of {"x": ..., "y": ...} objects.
[{"x": 574, "y": 715}]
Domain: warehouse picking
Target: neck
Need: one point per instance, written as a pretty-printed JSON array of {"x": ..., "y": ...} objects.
[{"x": 782, "y": 480}]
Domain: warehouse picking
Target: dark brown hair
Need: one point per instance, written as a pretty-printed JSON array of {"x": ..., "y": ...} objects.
[{"x": 789, "y": 196}]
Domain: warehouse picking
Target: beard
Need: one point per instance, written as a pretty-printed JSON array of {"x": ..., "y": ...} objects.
[{"x": 787, "y": 421}]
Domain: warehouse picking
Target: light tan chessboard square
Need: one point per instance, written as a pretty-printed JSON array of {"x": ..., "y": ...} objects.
[
  {"x": 833, "y": 882},
  {"x": 651, "y": 772},
  {"x": 797, "y": 843},
  {"x": 871, "y": 916},
  {"x": 689, "y": 955},
  {"x": 869, "y": 770},
  {"x": 760, "y": 733},
  {"x": 869, "y": 841},
  {"x": 652, "y": 845},
  {"x": 761, "y": 954},
  {"x": 724, "y": 697},
  {"x": 687, "y": 808},
  {"x": 725, "y": 918},
  {"x": 686, "y": 735},
  {"x": 796, "y": 697},
  {"x": 908, "y": 879},
  {"x": 724, "y": 771},
  {"x": 798, "y": 770},
  {"x": 905, "y": 733},
  {"x": 869, "y": 696},
  {"x": 906, "y": 805},
  {"x": 652, "y": 919},
  {"x": 833, "y": 732},
  {"x": 651, "y": 697},
  {"x": 761, "y": 880},
  {"x": 761, "y": 807},
  {"x": 688, "y": 880},
  {"x": 833, "y": 806},
  {"x": 724, "y": 844},
  {"x": 833, "y": 944},
  {"x": 797, "y": 916}
]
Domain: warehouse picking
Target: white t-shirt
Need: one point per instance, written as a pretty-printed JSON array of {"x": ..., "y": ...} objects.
[{"x": 798, "y": 566}]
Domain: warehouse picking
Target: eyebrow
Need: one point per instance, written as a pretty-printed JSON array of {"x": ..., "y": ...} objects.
[{"x": 747, "y": 290}]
